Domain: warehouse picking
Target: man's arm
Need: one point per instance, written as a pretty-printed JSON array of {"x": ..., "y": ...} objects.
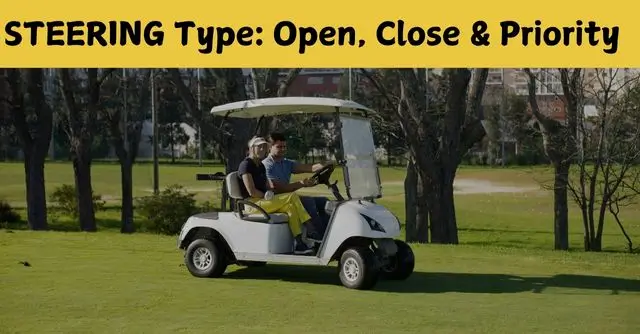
[
  {"x": 299, "y": 168},
  {"x": 281, "y": 187},
  {"x": 277, "y": 184}
]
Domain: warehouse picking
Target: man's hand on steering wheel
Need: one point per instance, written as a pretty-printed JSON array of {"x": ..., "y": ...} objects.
[
  {"x": 322, "y": 175},
  {"x": 309, "y": 182}
]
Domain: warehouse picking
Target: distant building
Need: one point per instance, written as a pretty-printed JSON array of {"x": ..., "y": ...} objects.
[
  {"x": 549, "y": 91},
  {"x": 317, "y": 82}
]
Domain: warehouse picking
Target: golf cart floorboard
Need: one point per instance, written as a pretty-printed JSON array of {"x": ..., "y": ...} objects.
[{"x": 280, "y": 258}]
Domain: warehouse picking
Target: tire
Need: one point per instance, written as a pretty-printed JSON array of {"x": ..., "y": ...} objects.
[
  {"x": 358, "y": 269},
  {"x": 205, "y": 250},
  {"x": 401, "y": 265}
]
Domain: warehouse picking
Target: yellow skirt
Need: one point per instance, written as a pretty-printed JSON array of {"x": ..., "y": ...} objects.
[{"x": 288, "y": 203}]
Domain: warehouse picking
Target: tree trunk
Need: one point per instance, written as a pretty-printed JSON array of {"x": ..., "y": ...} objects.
[
  {"x": 173, "y": 153},
  {"x": 126, "y": 183},
  {"x": 34, "y": 134},
  {"x": 84, "y": 193},
  {"x": 36, "y": 198},
  {"x": 410, "y": 202},
  {"x": 417, "y": 212},
  {"x": 444, "y": 228},
  {"x": 560, "y": 206},
  {"x": 388, "y": 150},
  {"x": 585, "y": 220},
  {"x": 595, "y": 245},
  {"x": 422, "y": 211}
]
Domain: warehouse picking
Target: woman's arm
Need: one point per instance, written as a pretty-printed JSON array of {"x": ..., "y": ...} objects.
[{"x": 251, "y": 187}]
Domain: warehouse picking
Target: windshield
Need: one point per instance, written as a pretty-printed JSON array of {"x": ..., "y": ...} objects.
[{"x": 362, "y": 179}]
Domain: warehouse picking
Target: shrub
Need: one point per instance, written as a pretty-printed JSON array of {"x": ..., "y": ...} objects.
[
  {"x": 167, "y": 211},
  {"x": 7, "y": 213},
  {"x": 209, "y": 206},
  {"x": 67, "y": 203}
]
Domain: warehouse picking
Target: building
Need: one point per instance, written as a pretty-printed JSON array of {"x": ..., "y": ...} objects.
[
  {"x": 549, "y": 90},
  {"x": 323, "y": 82}
]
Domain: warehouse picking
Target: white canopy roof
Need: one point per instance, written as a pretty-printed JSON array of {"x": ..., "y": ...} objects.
[{"x": 286, "y": 106}]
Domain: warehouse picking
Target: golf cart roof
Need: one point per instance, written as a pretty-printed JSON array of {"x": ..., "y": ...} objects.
[{"x": 277, "y": 106}]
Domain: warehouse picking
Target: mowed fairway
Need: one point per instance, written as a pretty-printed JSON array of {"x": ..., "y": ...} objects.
[{"x": 502, "y": 279}]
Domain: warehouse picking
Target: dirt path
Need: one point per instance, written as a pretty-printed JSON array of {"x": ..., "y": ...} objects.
[
  {"x": 478, "y": 186},
  {"x": 474, "y": 186}
]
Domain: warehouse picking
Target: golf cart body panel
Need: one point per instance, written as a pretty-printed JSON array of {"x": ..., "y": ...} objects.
[
  {"x": 244, "y": 236},
  {"x": 357, "y": 219}
]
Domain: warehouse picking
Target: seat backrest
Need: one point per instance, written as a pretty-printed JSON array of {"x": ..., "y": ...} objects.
[{"x": 233, "y": 185}]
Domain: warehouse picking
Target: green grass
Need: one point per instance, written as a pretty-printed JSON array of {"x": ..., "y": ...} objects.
[
  {"x": 504, "y": 277},
  {"x": 112, "y": 283},
  {"x": 522, "y": 220}
]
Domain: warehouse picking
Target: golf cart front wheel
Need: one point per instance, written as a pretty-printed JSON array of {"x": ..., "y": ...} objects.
[
  {"x": 204, "y": 259},
  {"x": 358, "y": 269},
  {"x": 401, "y": 265}
]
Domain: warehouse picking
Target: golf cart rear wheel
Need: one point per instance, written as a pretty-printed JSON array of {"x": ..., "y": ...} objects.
[
  {"x": 205, "y": 259},
  {"x": 400, "y": 266},
  {"x": 357, "y": 268}
]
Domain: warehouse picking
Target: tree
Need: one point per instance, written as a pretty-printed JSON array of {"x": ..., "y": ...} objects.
[
  {"x": 81, "y": 93},
  {"x": 8, "y": 135},
  {"x": 173, "y": 134},
  {"x": 22, "y": 93},
  {"x": 387, "y": 131},
  {"x": 441, "y": 121},
  {"x": 527, "y": 138},
  {"x": 131, "y": 95},
  {"x": 171, "y": 113},
  {"x": 232, "y": 133},
  {"x": 559, "y": 140},
  {"x": 268, "y": 83},
  {"x": 609, "y": 146}
]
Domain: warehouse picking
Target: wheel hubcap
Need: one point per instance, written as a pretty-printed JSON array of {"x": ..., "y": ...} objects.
[
  {"x": 202, "y": 258},
  {"x": 351, "y": 270}
]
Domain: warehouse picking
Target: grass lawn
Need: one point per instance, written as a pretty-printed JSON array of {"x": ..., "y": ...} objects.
[
  {"x": 112, "y": 283},
  {"x": 502, "y": 278}
]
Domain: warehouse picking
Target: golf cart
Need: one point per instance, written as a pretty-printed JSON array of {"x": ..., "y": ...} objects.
[{"x": 360, "y": 234}]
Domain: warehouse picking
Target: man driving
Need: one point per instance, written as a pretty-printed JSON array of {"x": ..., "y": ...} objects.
[{"x": 279, "y": 171}]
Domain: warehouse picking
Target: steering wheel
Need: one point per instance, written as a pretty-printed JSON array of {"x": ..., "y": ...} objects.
[{"x": 322, "y": 176}]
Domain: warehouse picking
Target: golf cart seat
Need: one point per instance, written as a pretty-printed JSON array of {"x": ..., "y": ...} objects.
[{"x": 233, "y": 189}]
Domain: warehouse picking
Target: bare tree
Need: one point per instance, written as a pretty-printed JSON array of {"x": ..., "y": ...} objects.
[
  {"x": 81, "y": 94},
  {"x": 441, "y": 122},
  {"x": 609, "y": 146},
  {"x": 559, "y": 141},
  {"x": 269, "y": 84},
  {"x": 128, "y": 94},
  {"x": 22, "y": 93},
  {"x": 386, "y": 130}
]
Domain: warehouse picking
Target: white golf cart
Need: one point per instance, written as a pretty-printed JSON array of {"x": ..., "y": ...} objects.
[{"x": 360, "y": 234}]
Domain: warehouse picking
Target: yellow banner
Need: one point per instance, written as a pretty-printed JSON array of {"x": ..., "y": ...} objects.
[{"x": 329, "y": 33}]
